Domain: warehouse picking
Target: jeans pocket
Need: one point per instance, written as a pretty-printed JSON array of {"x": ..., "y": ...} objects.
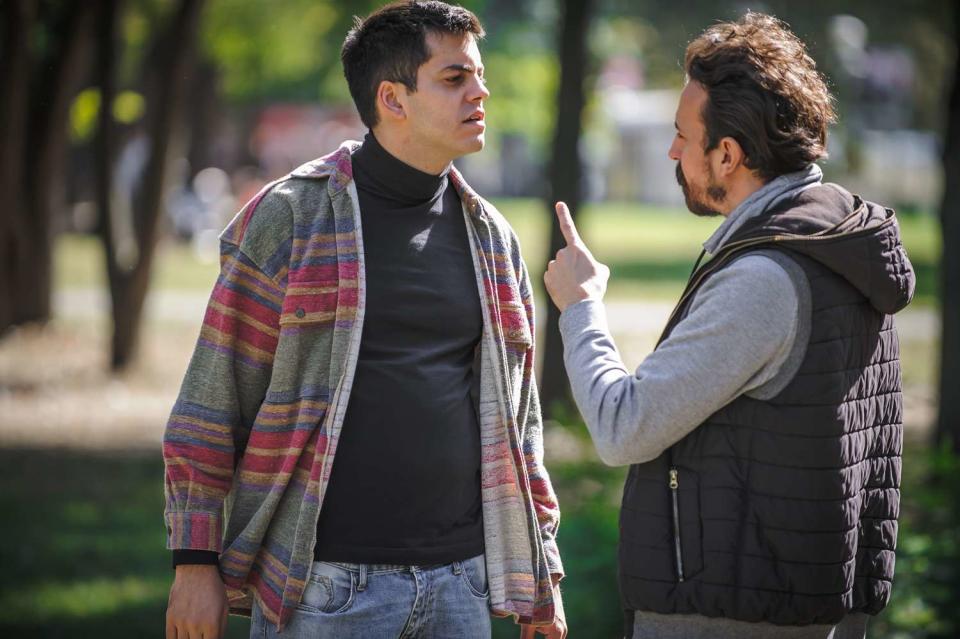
[
  {"x": 474, "y": 574},
  {"x": 330, "y": 590}
]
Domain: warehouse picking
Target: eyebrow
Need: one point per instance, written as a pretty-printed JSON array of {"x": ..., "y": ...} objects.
[{"x": 467, "y": 68}]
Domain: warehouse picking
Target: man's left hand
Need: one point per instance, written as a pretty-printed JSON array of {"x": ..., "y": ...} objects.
[
  {"x": 574, "y": 275},
  {"x": 558, "y": 629}
]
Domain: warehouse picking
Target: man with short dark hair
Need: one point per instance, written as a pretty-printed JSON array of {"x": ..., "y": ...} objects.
[
  {"x": 764, "y": 432},
  {"x": 373, "y": 309}
]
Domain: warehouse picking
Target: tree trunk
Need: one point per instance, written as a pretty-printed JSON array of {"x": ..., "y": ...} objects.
[
  {"x": 33, "y": 122},
  {"x": 130, "y": 276},
  {"x": 18, "y": 20},
  {"x": 948, "y": 423},
  {"x": 565, "y": 182},
  {"x": 70, "y": 36},
  {"x": 104, "y": 143}
]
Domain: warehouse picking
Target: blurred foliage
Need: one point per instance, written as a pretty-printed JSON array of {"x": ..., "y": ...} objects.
[
  {"x": 283, "y": 51},
  {"x": 277, "y": 50},
  {"x": 267, "y": 51},
  {"x": 128, "y": 107},
  {"x": 83, "y": 115},
  {"x": 518, "y": 86},
  {"x": 927, "y": 582}
]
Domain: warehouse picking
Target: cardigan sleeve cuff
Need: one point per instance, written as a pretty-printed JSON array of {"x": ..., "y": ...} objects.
[
  {"x": 552, "y": 556},
  {"x": 193, "y": 531}
]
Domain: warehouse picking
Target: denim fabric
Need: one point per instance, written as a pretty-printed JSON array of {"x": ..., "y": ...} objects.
[{"x": 371, "y": 601}]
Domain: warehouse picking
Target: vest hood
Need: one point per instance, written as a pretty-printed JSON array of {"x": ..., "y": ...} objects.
[{"x": 858, "y": 240}]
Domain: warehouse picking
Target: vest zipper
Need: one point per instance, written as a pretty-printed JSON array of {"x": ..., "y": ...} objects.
[{"x": 674, "y": 498}]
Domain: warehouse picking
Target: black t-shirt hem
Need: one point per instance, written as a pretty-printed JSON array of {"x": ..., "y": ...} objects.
[{"x": 405, "y": 556}]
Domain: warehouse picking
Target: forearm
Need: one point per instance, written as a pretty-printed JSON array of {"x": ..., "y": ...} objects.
[
  {"x": 719, "y": 351},
  {"x": 621, "y": 417},
  {"x": 221, "y": 393}
]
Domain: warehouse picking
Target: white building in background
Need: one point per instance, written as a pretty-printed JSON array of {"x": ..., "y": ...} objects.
[
  {"x": 899, "y": 167},
  {"x": 637, "y": 167}
]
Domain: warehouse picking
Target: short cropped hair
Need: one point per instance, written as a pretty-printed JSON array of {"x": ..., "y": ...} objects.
[
  {"x": 391, "y": 44},
  {"x": 764, "y": 91}
]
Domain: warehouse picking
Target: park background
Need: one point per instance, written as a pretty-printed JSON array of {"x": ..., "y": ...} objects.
[{"x": 132, "y": 130}]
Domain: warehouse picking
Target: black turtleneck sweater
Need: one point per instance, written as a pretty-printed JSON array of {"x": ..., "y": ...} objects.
[{"x": 405, "y": 484}]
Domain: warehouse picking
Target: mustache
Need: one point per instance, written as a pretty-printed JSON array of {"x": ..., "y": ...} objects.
[{"x": 681, "y": 178}]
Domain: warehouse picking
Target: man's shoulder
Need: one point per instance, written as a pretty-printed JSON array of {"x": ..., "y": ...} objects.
[
  {"x": 496, "y": 217},
  {"x": 275, "y": 210},
  {"x": 336, "y": 165},
  {"x": 767, "y": 271}
]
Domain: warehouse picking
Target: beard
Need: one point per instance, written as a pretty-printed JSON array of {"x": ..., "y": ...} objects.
[{"x": 699, "y": 201}]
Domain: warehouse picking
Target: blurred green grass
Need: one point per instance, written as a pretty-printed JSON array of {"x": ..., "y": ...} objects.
[{"x": 650, "y": 250}]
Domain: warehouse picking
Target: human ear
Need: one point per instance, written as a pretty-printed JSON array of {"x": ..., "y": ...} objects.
[
  {"x": 731, "y": 155},
  {"x": 390, "y": 100}
]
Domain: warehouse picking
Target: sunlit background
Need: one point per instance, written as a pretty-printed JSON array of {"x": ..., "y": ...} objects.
[{"x": 133, "y": 130}]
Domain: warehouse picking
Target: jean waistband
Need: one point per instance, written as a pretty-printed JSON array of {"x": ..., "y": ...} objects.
[{"x": 382, "y": 568}]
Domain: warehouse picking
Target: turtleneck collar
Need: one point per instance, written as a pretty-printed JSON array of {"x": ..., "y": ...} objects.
[{"x": 377, "y": 171}]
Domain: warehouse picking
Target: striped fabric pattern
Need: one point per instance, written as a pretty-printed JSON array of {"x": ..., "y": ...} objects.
[{"x": 251, "y": 440}]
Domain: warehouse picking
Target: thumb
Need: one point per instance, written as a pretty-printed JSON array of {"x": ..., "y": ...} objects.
[{"x": 567, "y": 227}]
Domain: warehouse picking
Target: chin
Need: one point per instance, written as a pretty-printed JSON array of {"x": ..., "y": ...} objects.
[{"x": 472, "y": 146}]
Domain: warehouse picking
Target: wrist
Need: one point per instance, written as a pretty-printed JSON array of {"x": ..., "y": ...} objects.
[
  {"x": 196, "y": 569},
  {"x": 576, "y": 298}
]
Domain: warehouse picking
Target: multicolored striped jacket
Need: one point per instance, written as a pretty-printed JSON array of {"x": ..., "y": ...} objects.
[{"x": 251, "y": 440}]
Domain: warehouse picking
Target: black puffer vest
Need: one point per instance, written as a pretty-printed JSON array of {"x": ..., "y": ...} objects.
[{"x": 786, "y": 510}]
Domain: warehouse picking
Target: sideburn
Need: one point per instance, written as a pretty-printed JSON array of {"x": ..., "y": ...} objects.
[{"x": 716, "y": 193}]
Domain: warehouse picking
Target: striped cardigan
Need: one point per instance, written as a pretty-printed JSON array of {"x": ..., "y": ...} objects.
[{"x": 252, "y": 437}]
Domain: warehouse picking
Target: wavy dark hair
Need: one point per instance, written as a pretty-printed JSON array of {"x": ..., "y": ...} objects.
[
  {"x": 764, "y": 91},
  {"x": 391, "y": 44}
]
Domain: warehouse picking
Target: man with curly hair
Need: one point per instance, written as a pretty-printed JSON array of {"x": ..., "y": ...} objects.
[{"x": 764, "y": 432}]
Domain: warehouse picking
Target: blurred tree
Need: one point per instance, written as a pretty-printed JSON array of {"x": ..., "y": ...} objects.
[
  {"x": 948, "y": 424},
  {"x": 566, "y": 176},
  {"x": 45, "y": 46},
  {"x": 280, "y": 51},
  {"x": 130, "y": 218}
]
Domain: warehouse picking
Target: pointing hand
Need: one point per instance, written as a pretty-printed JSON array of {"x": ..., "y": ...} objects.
[{"x": 574, "y": 275}]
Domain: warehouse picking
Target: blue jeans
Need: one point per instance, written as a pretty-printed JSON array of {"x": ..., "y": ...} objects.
[{"x": 370, "y": 601}]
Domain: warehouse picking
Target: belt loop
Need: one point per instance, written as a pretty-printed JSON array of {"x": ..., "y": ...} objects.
[
  {"x": 363, "y": 578},
  {"x": 457, "y": 567}
]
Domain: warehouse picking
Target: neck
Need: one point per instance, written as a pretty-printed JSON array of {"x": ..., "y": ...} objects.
[
  {"x": 400, "y": 145},
  {"x": 738, "y": 191}
]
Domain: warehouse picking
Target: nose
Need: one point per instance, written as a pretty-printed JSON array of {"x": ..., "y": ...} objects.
[
  {"x": 480, "y": 92},
  {"x": 674, "y": 152}
]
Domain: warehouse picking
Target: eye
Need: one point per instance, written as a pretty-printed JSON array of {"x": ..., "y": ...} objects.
[{"x": 456, "y": 79}]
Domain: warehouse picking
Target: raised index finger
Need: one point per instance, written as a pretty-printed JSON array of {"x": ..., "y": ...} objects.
[{"x": 567, "y": 227}]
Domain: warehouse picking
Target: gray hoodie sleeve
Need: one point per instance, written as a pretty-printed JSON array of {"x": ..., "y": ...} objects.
[{"x": 739, "y": 332}]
